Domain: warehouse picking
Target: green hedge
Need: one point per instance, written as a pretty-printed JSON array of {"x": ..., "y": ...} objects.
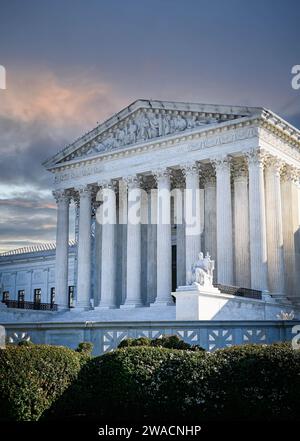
[
  {"x": 240, "y": 383},
  {"x": 33, "y": 377},
  {"x": 170, "y": 342},
  {"x": 138, "y": 382}
]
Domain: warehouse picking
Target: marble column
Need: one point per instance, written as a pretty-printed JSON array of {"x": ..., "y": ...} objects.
[
  {"x": 180, "y": 231},
  {"x": 290, "y": 215},
  {"x": 108, "y": 260},
  {"x": 192, "y": 216},
  {"x": 224, "y": 222},
  {"x": 210, "y": 216},
  {"x": 122, "y": 235},
  {"x": 152, "y": 244},
  {"x": 257, "y": 221},
  {"x": 62, "y": 249},
  {"x": 164, "y": 250},
  {"x": 133, "y": 274},
  {"x": 84, "y": 249},
  {"x": 274, "y": 226},
  {"x": 241, "y": 224}
]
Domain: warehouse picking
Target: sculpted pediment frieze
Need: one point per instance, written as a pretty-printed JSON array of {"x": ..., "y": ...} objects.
[{"x": 143, "y": 126}]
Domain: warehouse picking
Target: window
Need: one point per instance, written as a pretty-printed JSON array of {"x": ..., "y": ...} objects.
[
  {"x": 71, "y": 296},
  {"x": 37, "y": 296},
  {"x": 5, "y": 296},
  {"x": 52, "y": 296},
  {"x": 21, "y": 298}
]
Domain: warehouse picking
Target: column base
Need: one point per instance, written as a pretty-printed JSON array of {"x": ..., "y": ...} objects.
[
  {"x": 80, "y": 308},
  {"x": 158, "y": 304},
  {"x": 131, "y": 305},
  {"x": 100, "y": 307}
]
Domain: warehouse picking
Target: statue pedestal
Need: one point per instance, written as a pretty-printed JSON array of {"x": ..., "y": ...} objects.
[{"x": 198, "y": 302}]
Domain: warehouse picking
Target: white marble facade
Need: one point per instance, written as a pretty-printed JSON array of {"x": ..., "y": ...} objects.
[{"x": 243, "y": 164}]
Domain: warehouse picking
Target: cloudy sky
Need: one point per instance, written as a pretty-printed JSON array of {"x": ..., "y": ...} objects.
[{"x": 72, "y": 63}]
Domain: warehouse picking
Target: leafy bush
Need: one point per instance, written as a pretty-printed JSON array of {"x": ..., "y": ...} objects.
[
  {"x": 33, "y": 377},
  {"x": 170, "y": 342},
  {"x": 240, "y": 383},
  {"x": 85, "y": 348},
  {"x": 25, "y": 343}
]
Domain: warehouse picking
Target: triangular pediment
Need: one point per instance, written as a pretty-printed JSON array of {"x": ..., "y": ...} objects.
[{"x": 146, "y": 120}]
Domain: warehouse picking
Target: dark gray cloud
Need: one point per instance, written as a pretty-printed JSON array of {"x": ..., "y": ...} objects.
[{"x": 71, "y": 63}]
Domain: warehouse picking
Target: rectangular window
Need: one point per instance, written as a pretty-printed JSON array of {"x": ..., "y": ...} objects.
[
  {"x": 5, "y": 296},
  {"x": 37, "y": 296},
  {"x": 21, "y": 295},
  {"x": 52, "y": 296},
  {"x": 21, "y": 298},
  {"x": 71, "y": 296}
]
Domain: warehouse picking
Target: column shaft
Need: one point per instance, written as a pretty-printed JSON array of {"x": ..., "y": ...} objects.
[
  {"x": 274, "y": 227},
  {"x": 257, "y": 222},
  {"x": 108, "y": 267},
  {"x": 164, "y": 250},
  {"x": 241, "y": 227},
  {"x": 192, "y": 217},
  {"x": 290, "y": 215},
  {"x": 84, "y": 250},
  {"x": 133, "y": 286},
  {"x": 62, "y": 248},
  {"x": 224, "y": 222},
  {"x": 210, "y": 217}
]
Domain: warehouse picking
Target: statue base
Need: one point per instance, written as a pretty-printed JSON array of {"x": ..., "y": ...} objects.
[
  {"x": 197, "y": 302},
  {"x": 194, "y": 302}
]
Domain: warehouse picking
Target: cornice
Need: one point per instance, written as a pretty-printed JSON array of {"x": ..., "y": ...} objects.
[{"x": 271, "y": 130}]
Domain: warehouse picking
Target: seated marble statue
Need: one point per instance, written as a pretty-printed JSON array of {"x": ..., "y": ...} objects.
[{"x": 201, "y": 274}]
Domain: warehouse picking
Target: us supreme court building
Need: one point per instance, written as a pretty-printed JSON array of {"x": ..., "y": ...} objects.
[{"x": 152, "y": 187}]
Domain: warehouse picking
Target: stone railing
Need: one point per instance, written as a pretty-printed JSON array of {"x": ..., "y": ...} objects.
[{"x": 106, "y": 336}]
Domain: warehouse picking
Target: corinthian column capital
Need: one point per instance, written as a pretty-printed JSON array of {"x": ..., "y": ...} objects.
[
  {"x": 240, "y": 168},
  {"x": 256, "y": 157},
  {"x": 190, "y": 168},
  {"x": 161, "y": 173},
  {"x": 290, "y": 173},
  {"x": 61, "y": 196},
  {"x": 132, "y": 181},
  {"x": 84, "y": 191},
  {"x": 274, "y": 164},
  {"x": 221, "y": 162}
]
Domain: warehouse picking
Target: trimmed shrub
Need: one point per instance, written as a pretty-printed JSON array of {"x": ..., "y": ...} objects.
[
  {"x": 240, "y": 383},
  {"x": 85, "y": 348},
  {"x": 33, "y": 377},
  {"x": 116, "y": 385},
  {"x": 25, "y": 343},
  {"x": 142, "y": 341},
  {"x": 170, "y": 342}
]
